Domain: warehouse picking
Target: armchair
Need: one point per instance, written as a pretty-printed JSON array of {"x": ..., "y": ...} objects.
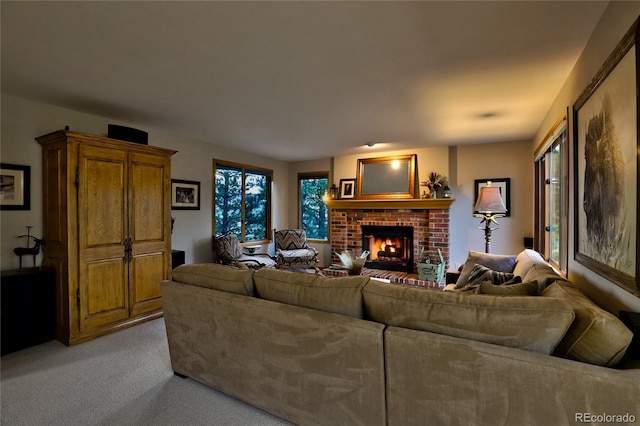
[
  {"x": 293, "y": 250},
  {"x": 229, "y": 252}
]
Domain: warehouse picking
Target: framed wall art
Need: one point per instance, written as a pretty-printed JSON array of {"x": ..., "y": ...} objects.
[
  {"x": 387, "y": 177},
  {"x": 15, "y": 187},
  {"x": 347, "y": 189},
  {"x": 505, "y": 190},
  {"x": 185, "y": 195},
  {"x": 606, "y": 156}
]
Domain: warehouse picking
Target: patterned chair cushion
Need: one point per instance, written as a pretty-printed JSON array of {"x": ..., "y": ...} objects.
[
  {"x": 291, "y": 239},
  {"x": 228, "y": 247},
  {"x": 299, "y": 256}
]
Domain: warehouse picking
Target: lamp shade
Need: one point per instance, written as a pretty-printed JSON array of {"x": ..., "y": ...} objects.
[{"x": 490, "y": 201}]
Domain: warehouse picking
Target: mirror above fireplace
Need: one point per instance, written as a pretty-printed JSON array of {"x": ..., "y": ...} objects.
[{"x": 386, "y": 177}]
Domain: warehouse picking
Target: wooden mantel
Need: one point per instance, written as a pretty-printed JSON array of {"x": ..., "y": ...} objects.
[{"x": 400, "y": 204}]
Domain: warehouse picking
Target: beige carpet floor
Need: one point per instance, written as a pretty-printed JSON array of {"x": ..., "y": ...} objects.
[{"x": 121, "y": 379}]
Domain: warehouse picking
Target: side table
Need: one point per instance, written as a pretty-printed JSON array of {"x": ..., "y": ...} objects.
[{"x": 28, "y": 308}]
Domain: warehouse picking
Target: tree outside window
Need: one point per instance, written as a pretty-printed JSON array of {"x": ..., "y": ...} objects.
[
  {"x": 313, "y": 214},
  {"x": 242, "y": 201}
]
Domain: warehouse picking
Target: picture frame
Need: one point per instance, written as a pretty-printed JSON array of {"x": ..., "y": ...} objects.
[
  {"x": 606, "y": 162},
  {"x": 505, "y": 190},
  {"x": 392, "y": 177},
  {"x": 347, "y": 189},
  {"x": 185, "y": 195},
  {"x": 15, "y": 187}
]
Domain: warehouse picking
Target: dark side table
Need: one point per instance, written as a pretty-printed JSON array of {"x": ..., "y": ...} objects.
[
  {"x": 28, "y": 308},
  {"x": 177, "y": 258}
]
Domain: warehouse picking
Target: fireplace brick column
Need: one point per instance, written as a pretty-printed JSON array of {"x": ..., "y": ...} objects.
[{"x": 430, "y": 228}]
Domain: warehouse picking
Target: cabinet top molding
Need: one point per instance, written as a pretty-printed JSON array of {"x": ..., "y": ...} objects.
[{"x": 54, "y": 137}]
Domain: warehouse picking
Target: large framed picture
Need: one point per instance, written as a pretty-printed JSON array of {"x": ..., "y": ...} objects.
[
  {"x": 504, "y": 184},
  {"x": 15, "y": 187},
  {"x": 185, "y": 195},
  {"x": 606, "y": 155}
]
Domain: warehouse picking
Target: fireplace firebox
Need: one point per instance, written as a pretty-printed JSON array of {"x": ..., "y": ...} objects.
[{"x": 390, "y": 247}]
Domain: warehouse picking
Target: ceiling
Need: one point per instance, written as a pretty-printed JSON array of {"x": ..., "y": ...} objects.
[{"x": 301, "y": 80}]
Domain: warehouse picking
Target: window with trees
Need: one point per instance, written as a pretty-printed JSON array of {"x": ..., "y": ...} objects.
[
  {"x": 313, "y": 214},
  {"x": 242, "y": 201},
  {"x": 552, "y": 188}
]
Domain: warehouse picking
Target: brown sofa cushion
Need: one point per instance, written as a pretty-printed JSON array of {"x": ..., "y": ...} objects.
[
  {"x": 340, "y": 295},
  {"x": 216, "y": 277},
  {"x": 496, "y": 262},
  {"x": 522, "y": 289},
  {"x": 533, "y": 323},
  {"x": 596, "y": 336}
]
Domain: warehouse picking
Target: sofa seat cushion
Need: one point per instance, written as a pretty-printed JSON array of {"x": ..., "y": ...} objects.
[
  {"x": 216, "y": 277},
  {"x": 340, "y": 295},
  {"x": 496, "y": 262},
  {"x": 596, "y": 336},
  {"x": 532, "y": 323}
]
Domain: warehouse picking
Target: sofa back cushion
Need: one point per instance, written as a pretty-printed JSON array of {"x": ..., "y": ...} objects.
[
  {"x": 340, "y": 295},
  {"x": 533, "y": 323},
  {"x": 216, "y": 277},
  {"x": 496, "y": 262},
  {"x": 596, "y": 336}
]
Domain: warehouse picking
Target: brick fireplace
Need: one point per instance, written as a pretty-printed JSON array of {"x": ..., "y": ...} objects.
[{"x": 429, "y": 219}]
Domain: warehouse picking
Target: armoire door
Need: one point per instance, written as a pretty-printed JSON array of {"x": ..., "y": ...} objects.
[
  {"x": 149, "y": 207},
  {"x": 102, "y": 229}
]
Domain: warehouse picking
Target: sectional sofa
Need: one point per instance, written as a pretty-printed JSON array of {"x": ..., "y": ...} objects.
[{"x": 358, "y": 351}]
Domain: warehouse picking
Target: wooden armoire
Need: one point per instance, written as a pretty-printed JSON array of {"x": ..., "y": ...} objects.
[{"x": 107, "y": 231}]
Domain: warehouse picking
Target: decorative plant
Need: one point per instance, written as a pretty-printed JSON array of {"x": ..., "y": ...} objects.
[{"x": 434, "y": 181}]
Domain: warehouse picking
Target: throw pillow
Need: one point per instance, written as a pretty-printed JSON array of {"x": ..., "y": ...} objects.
[
  {"x": 481, "y": 273},
  {"x": 497, "y": 262},
  {"x": 522, "y": 289}
]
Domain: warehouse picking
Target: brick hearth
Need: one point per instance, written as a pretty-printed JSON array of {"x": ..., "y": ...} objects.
[{"x": 429, "y": 218}]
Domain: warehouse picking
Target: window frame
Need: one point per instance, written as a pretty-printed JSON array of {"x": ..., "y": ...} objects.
[
  {"x": 245, "y": 168},
  {"x": 314, "y": 175},
  {"x": 556, "y": 138}
]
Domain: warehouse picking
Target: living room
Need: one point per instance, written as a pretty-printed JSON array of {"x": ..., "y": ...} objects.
[{"x": 25, "y": 117}]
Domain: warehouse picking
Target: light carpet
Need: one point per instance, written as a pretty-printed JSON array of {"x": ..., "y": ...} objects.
[{"x": 124, "y": 378}]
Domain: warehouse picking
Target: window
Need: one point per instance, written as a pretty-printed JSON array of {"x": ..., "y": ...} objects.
[
  {"x": 313, "y": 214},
  {"x": 551, "y": 197},
  {"x": 242, "y": 201}
]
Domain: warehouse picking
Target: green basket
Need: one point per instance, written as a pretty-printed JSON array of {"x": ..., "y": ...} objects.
[{"x": 430, "y": 267}]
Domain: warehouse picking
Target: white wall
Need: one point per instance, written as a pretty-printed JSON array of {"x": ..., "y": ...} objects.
[
  {"x": 24, "y": 120},
  {"x": 616, "y": 20},
  {"x": 512, "y": 160}
]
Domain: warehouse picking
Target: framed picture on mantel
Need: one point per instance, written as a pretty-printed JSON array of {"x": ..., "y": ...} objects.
[{"x": 347, "y": 189}]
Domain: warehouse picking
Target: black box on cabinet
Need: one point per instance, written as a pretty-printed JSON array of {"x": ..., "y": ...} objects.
[{"x": 128, "y": 134}]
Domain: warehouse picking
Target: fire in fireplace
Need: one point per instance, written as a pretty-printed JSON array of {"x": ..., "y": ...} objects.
[{"x": 390, "y": 247}]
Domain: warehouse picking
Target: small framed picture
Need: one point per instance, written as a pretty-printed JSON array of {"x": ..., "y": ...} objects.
[
  {"x": 505, "y": 190},
  {"x": 185, "y": 195},
  {"x": 15, "y": 187},
  {"x": 347, "y": 189}
]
